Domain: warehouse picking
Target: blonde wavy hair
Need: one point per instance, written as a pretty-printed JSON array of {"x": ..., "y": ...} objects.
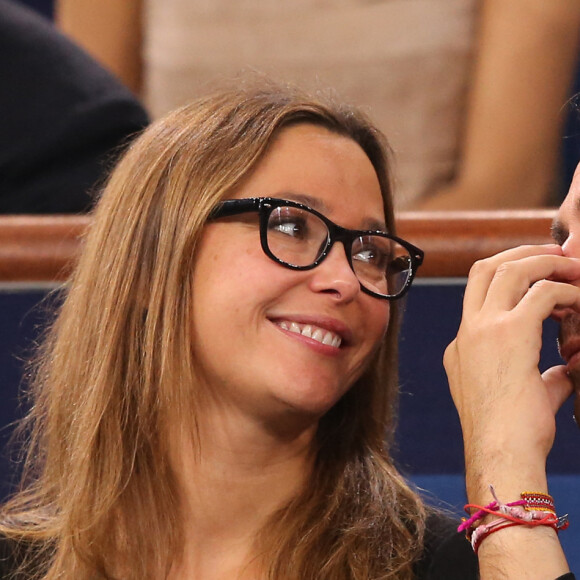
[{"x": 98, "y": 492}]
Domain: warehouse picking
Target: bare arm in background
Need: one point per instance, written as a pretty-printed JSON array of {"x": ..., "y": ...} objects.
[
  {"x": 524, "y": 66},
  {"x": 110, "y": 30}
]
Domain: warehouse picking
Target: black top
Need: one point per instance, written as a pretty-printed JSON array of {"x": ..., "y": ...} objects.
[
  {"x": 447, "y": 555},
  {"x": 63, "y": 117}
]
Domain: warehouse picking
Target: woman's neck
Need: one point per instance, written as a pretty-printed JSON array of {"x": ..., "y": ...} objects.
[{"x": 242, "y": 471}]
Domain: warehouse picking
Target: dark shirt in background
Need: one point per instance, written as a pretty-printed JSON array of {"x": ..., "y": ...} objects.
[
  {"x": 44, "y": 7},
  {"x": 64, "y": 117}
]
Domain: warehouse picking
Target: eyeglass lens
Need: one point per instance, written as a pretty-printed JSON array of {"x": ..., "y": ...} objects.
[{"x": 299, "y": 238}]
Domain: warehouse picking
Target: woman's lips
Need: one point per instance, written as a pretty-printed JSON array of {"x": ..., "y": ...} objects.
[
  {"x": 325, "y": 330},
  {"x": 311, "y": 331}
]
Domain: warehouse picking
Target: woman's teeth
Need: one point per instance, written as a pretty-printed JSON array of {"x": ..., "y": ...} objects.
[{"x": 319, "y": 334}]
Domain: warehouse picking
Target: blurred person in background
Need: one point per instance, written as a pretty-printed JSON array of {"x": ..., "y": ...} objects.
[
  {"x": 471, "y": 92},
  {"x": 64, "y": 117}
]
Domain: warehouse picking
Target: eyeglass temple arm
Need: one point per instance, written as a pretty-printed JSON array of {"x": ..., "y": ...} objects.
[
  {"x": 231, "y": 207},
  {"x": 419, "y": 256}
]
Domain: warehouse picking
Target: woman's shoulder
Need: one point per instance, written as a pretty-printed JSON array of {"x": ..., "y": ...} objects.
[{"x": 447, "y": 554}]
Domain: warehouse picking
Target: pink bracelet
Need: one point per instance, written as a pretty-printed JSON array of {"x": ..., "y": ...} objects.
[
  {"x": 534, "y": 509},
  {"x": 491, "y": 508},
  {"x": 481, "y": 532}
]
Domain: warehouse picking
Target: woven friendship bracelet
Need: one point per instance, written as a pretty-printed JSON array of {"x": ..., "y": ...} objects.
[
  {"x": 538, "y": 501},
  {"x": 533, "y": 509}
]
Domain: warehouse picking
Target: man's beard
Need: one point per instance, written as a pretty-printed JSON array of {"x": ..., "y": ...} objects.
[{"x": 570, "y": 327}]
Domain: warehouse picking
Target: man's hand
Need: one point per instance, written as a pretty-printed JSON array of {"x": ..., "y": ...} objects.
[{"x": 506, "y": 406}]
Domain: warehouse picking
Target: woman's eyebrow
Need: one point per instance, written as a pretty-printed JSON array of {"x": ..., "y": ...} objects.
[
  {"x": 372, "y": 224},
  {"x": 305, "y": 199},
  {"x": 319, "y": 205}
]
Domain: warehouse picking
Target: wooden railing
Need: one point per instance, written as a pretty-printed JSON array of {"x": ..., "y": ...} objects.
[
  {"x": 452, "y": 241},
  {"x": 44, "y": 248}
]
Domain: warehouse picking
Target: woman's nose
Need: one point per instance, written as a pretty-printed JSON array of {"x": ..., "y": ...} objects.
[{"x": 335, "y": 276}]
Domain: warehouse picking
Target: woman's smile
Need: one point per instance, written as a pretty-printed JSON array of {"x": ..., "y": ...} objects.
[{"x": 313, "y": 332}]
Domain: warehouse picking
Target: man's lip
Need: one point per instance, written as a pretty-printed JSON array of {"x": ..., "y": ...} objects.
[
  {"x": 332, "y": 324},
  {"x": 569, "y": 348}
]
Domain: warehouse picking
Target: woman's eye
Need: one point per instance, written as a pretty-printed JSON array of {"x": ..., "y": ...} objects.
[
  {"x": 370, "y": 256},
  {"x": 294, "y": 228}
]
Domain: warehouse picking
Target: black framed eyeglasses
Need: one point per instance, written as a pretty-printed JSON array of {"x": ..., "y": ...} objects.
[{"x": 298, "y": 237}]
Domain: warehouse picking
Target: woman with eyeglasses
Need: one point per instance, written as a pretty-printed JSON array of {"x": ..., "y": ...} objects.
[{"x": 215, "y": 399}]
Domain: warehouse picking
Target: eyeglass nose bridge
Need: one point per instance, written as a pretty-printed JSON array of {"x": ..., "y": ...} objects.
[{"x": 337, "y": 233}]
